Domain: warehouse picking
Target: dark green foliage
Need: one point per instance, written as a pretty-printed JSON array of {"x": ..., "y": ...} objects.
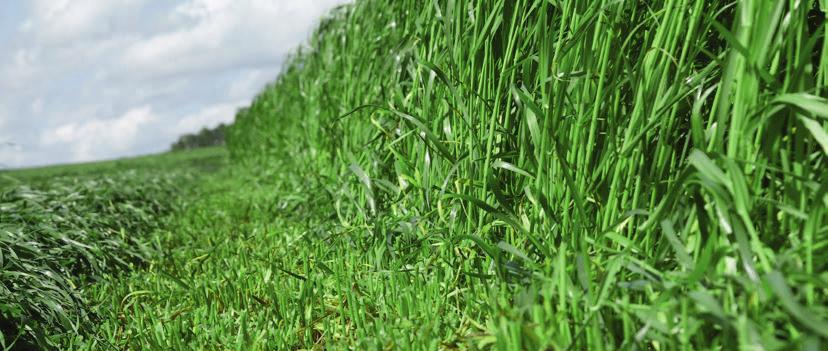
[
  {"x": 56, "y": 238},
  {"x": 59, "y": 234},
  {"x": 206, "y": 137}
]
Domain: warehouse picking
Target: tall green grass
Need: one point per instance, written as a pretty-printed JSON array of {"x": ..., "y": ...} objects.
[{"x": 585, "y": 174}]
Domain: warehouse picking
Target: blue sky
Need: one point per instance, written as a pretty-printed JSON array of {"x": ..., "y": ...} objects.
[{"x": 85, "y": 80}]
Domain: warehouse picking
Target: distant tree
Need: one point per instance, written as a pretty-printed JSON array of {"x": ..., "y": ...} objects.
[{"x": 204, "y": 138}]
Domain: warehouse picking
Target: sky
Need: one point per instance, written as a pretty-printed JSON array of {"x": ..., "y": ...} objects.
[{"x": 84, "y": 80}]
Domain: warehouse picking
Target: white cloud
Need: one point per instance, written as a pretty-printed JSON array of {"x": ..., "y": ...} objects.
[
  {"x": 208, "y": 117},
  {"x": 95, "y": 139},
  {"x": 9, "y": 157},
  {"x": 37, "y": 106},
  {"x": 89, "y": 79},
  {"x": 223, "y": 33},
  {"x": 59, "y": 21},
  {"x": 10, "y": 153},
  {"x": 4, "y": 130},
  {"x": 248, "y": 84}
]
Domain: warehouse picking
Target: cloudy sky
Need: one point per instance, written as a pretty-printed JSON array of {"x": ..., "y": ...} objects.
[{"x": 85, "y": 80}]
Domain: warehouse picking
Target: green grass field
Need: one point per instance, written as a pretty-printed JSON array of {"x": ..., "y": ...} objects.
[{"x": 510, "y": 175}]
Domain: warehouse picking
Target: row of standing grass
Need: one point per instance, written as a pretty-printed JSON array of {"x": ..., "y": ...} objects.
[{"x": 647, "y": 173}]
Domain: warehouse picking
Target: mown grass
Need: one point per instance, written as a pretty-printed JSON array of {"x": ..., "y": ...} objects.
[{"x": 60, "y": 233}]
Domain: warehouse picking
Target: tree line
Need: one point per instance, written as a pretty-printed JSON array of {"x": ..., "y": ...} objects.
[{"x": 204, "y": 138}]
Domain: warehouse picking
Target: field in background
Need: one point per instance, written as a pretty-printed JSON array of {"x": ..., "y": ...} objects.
[
  {"x": 505, "y": 175},
  {"x": 201, "y": 158}
]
